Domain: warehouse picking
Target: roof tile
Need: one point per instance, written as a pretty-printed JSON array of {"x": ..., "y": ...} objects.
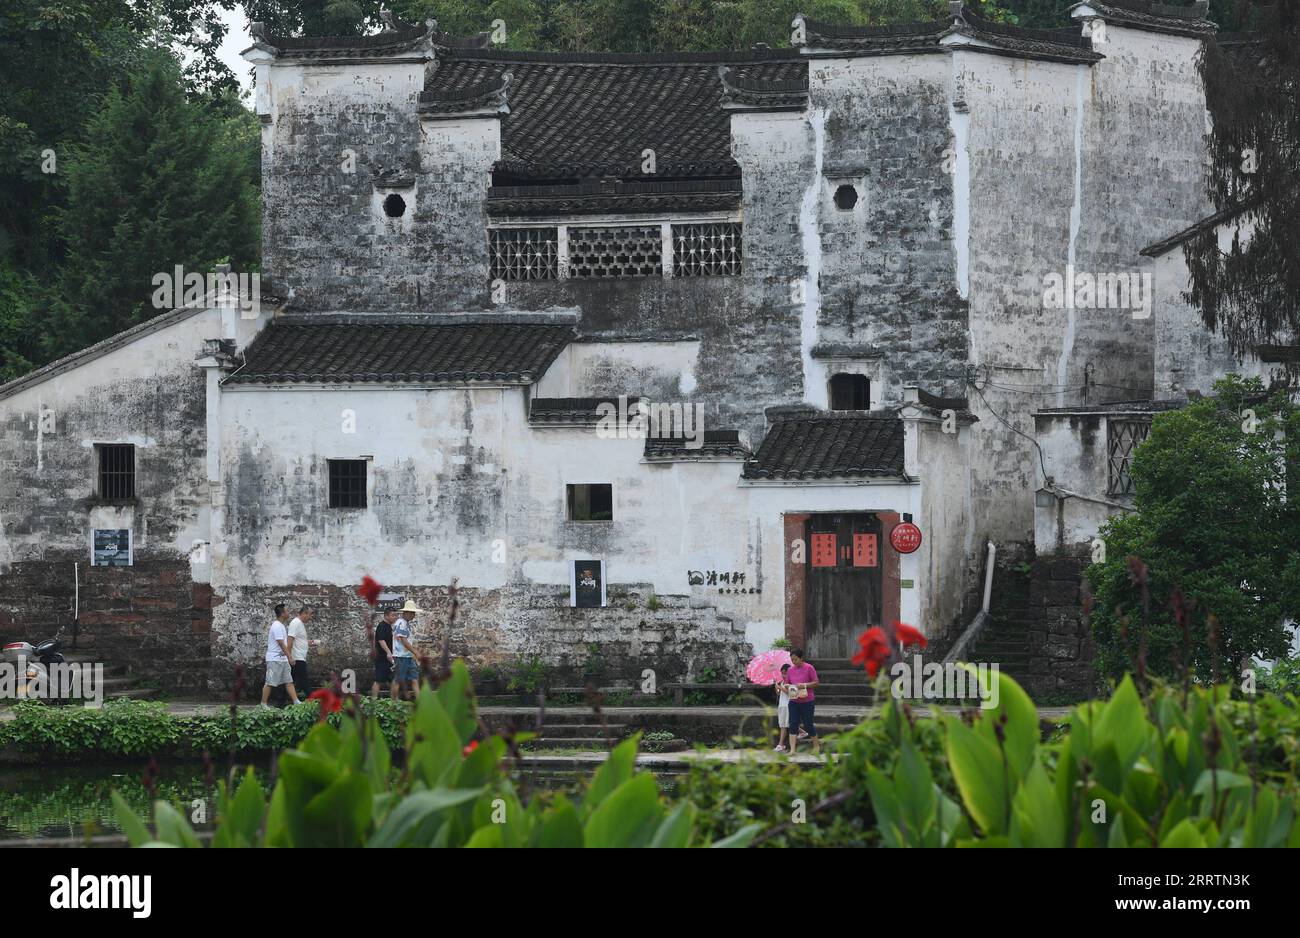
[{"x": 360, "y": 352}]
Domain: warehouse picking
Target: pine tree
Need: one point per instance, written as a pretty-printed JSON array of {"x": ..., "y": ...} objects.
[{"x": 156, "y": 184}]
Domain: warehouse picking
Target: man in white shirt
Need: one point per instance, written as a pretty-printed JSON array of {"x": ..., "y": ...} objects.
[
  {"x": 298, "y": 645},
  {"x": 405, "y": 665},
  {"x": 278, "y": 671}
]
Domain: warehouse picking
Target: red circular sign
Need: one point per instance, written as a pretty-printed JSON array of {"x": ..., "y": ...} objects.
[{"x": 905, "y": 538}]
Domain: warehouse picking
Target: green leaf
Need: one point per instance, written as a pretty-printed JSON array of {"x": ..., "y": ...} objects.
[
  {"x": 561, "y": 826},
  {"x": 1123, "y": 723},
  {"x": 1185, "y": 834},
  {"x": 1038, "y": 818},
  {"x": 628, "y": 817},
  {"x": 489, "y": 836},
  {"x": 1212, "y": 779},
  {"x": 411, "y": 811},
  {"x": 340, "y": 815},
  {"x": 614, "y": 772},
  {"x": 1020, "y": 732},
  {"x": 740, "y": 838},
  {"x": 172, "y": 827},
  {"x": 241, "y": 818},
  {"x": 435, "y": 744},
  {"x": 137, "y": 834},
  {"x": 456, "y": 698},
  {"x": 980, "y": 775},
  {"x": 675, "y": 831}
]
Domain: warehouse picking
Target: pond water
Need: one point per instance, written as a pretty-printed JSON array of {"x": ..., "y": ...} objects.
[{"x": 76, "y": 801}]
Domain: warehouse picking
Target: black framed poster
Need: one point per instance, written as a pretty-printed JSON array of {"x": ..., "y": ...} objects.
[
  {"x": 110, "y": 547},
  {"x": 587, "y": 584}
]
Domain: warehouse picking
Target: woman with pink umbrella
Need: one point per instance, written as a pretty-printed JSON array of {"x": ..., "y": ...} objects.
[{"x": 770, "y": 668}]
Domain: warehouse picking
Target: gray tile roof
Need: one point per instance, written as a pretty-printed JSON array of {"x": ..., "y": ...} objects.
[
  {"x": 386, "y": 352},
  {"x": 824, "y": 445},
  {"x": 585, "y": 115}
]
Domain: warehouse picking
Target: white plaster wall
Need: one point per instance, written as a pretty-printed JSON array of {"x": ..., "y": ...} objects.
[
  {"x": 604, "y": 369},
  {"x": 455, "y": 472}
]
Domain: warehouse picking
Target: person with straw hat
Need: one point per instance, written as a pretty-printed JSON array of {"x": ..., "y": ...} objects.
[{"x": 406, "y": 667}]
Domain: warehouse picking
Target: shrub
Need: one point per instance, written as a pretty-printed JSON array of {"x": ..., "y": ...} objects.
[
  {"x": 1212, "y": 522},
  {"x": 337, "y": 790}
]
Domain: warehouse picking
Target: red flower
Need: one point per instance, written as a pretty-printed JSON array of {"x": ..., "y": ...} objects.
[
  {"x": 369, "y": 590},
  {"x": 330, "y": 702},
  {"x": 909, "y": 636},
  {"x": 874, "y": 650},
  {"x": 473, "y": 744}
]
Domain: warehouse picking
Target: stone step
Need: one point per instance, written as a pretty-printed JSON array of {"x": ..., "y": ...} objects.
[
  {"x": 842, "y": 676},
  {"x": 132, "y": 693},
  {"x": 569, "y": 742},
  {"x": 583, "y": 730}
]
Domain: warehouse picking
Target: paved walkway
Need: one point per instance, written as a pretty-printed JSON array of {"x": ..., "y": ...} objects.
[{"x": 831, "y": 713}]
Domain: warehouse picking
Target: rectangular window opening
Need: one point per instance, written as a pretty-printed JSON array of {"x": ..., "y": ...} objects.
[
  {"x": 591, "y": 502},
  {"x": 850, "y": 392},
  {"x": 116, "y": 471},
  {"x": 347, "y": 483}
]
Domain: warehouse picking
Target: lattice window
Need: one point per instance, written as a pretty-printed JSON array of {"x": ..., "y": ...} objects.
[
  {"x": 706, "y": 249},
  {"x": 1124, "y": 437},
  {"x": 524, "y": 253},
  {"x": 616, "y": 252}
]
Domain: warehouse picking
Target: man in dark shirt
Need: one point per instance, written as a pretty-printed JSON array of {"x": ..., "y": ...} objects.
[{"x": 383, "y": 651}]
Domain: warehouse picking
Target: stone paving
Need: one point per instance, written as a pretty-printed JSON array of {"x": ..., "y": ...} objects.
[{"x": 830, "y": 712}]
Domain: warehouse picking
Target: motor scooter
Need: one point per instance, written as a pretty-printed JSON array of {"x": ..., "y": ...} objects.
[{"x": 34, "y": 662}]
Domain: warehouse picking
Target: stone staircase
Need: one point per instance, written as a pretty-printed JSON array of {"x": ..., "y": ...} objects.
[
  {"x": 565, "y": 729},
  {"x": 1012, "y": 639},
  {"x": 839, "y": 682},
  {"x": 116, "y": 684}
]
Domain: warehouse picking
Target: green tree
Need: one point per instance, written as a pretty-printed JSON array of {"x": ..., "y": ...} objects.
[
  {"x": 1212, "y": 521},
  {"x": 157, "y": 183}
]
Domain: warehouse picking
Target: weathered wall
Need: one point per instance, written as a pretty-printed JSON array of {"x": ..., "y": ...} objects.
[
  {"x": 951, "y": 578},
  {"x": 1078, "y": 445},
  {"x": 462, "y": 487},
  {"x": 324, "y": 232},
  {"x": 1189, "y": 358},
  {"x": 886, "y": 266},
  {"x": 1069, "y": 166},
  {"x": 149, "y": 393}
]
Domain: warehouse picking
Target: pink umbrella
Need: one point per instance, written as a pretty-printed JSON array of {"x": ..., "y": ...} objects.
[{"x": 766, "y": 668}]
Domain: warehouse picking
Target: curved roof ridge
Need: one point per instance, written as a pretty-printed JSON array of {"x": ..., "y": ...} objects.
[{"x": 624, "y": 58}]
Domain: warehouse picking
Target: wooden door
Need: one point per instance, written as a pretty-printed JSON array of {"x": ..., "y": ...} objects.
[{"x": 844, "y": 583}]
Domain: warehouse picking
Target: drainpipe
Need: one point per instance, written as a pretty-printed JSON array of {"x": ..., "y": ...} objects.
[{"x": 988, "y": 576}]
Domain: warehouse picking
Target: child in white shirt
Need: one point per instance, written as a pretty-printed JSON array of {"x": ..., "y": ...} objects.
[{"x": 783, "y": 710}]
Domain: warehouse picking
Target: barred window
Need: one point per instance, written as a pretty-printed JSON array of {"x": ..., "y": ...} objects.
[
  {"x": 524, "y": 253},
  {"x": 616, "y": 252},
  {"x": 1124, "y": 437},
  {"x": 706, "y": 249},
  {"x": 347, "y": 483},
  {"x": 116, "y": 471}
]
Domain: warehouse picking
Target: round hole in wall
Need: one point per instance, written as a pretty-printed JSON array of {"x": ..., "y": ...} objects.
[
  {"x": 846, "y": 197},
  {"x": 394, "y": 206}
]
